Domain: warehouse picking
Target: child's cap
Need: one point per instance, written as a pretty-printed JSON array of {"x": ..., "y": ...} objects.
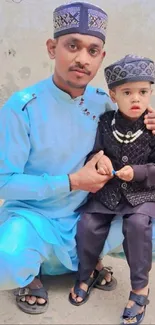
[{"x": 130, "y": 69}]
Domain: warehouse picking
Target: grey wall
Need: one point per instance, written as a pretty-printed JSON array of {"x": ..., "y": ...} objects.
[{"x": 25, "y": 25}]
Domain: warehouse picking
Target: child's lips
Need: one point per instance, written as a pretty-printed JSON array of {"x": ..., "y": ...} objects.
[{"x": 135, "y": 107}]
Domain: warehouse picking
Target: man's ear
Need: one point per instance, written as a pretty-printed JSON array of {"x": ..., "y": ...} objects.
[
  {"x": 103, "y": 56},
  {"x": 51, "y": 47},
  {"x": 112, "y": 95}
]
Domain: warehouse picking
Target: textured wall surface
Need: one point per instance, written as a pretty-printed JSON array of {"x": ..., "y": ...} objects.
[{"x": 25, "y": 25}]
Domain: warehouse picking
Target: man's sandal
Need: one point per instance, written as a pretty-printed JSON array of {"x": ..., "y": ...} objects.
[
  {"x": 109, "y": 285},
  {"x": 36, "y": 308},
  {"x": 131, "y": 315},
  {"x": 82, "y": 293}
]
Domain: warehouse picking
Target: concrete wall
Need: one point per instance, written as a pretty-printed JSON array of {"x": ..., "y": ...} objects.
[{"x": 25, "y": 25}]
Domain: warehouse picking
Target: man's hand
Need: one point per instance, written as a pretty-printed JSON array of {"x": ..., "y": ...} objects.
[
  {"x": 149, "y": 119},
  {"x": 104, "y": 166},
  {"x": 126, "y": 173},
  {"x": 87, "y": 178}
]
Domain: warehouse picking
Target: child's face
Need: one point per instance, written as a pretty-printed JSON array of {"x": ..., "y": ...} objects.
[{"x": 132, "y": 98}]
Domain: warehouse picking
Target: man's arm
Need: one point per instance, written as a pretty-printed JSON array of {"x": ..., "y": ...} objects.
[
  {"x": 14, "y": 153},
  {"x": 149, "y": 120},
  {"x": 87, "y": 178}
]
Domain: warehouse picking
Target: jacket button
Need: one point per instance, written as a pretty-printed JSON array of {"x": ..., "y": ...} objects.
[
  {"x": 125, "y": 159},
  {"x": 124, "y": 185},
  {"x": 129, "y": 133}
]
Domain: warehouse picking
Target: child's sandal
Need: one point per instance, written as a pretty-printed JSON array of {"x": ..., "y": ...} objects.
[{"x": 131, "y": 315}]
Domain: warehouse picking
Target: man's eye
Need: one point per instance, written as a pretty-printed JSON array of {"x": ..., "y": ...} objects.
[
  {"x": 72, "y": 46},
  {"x": 93, "y": 51},
  {"x": 127, "y": 93}
]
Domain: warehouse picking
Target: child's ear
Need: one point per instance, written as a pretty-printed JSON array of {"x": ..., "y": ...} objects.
[{"x": 112, "y": 95}]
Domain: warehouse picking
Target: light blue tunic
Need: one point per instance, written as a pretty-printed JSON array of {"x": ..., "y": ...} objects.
[{"x": 44, "y": 136}]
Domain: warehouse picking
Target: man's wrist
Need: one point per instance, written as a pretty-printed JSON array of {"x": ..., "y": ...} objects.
[{"x": 74, "y": 183}]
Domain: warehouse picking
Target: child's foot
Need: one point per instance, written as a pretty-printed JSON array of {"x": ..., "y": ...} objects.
[
  {"x": 140, "y": 309},
  {"x": 81, "y": 291},
  {"x": 84, "y": 286}
]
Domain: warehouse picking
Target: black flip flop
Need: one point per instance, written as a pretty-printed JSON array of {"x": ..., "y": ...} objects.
[{"x": 35, "y": 308}]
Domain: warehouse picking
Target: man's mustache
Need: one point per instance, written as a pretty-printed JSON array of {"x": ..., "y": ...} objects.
[{"x": 80, "y": 68}]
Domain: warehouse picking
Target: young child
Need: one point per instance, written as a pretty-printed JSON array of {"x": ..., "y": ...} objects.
[{"x": 129, "y": 157}]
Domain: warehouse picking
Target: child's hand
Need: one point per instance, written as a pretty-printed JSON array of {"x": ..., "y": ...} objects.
[
  {"x": 104, "y": 166},
  {"x": 126, "y": 173}
]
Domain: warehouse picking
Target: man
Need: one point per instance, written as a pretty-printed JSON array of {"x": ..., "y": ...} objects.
[{"x": 46, "y": 132}]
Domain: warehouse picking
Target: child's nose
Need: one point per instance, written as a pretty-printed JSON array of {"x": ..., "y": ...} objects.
[{"x": 135, "y": 98}]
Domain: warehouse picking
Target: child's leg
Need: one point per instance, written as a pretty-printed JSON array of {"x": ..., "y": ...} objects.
[
  {"x": 137, "y": 230},
  {"x": 92, "y": 231}
]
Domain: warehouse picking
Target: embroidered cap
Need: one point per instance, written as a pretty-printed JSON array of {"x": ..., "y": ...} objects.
[
  {"x": 130, "y": 68},
  {"x": 80, "y": 17}
]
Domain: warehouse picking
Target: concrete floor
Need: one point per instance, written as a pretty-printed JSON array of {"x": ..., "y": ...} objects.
[{"x": 102, "y": 307}]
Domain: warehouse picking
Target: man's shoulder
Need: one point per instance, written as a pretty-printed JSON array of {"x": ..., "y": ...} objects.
[
  {"x": 19, "y": 100},
  {"x": 96, "y": 93}
]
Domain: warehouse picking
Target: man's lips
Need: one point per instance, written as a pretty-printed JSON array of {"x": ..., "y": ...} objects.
[{"x": 80, "y": 71}]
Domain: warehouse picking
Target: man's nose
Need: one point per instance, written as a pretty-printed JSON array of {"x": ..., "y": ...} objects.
[{"x": 83, "y": 58}]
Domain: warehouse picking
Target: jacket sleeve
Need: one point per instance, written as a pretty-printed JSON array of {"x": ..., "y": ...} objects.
[
  {"x": 15, "y": 148},
  {"x": 146, "y": 173}
]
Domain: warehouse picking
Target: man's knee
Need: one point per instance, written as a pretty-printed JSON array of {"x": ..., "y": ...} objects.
[
  {"x": 10, "y": 276},
  {"x": 19, "y": 259},
  {"x": 17, "y": 270}
]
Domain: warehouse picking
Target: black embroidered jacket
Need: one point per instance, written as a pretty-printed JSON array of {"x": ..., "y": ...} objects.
[{"x": 140, "y": 154}]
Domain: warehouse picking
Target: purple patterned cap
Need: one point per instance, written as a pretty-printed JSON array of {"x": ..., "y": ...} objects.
[
  {"x": 80, "y": 17},
  {"x": 130, "y": 68}
]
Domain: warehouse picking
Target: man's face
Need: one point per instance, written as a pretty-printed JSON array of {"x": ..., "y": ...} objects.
[
  {"x": 77, "y": 58},
  {"x": 132, "y": 98}
]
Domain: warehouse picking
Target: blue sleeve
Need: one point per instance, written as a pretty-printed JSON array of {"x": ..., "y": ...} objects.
[{"x": 14, "y": 153}]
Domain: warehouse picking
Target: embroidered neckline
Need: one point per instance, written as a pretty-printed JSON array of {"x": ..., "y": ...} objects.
[{"x": 127, "y": 137}]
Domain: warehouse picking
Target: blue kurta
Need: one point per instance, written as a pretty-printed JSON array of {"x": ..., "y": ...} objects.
[{"x": 44, "y": 136}]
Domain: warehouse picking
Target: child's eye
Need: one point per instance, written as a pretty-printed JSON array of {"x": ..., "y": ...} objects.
[
  {"x": 143, "y": 92},
  {"x": 127, "y": 93}
]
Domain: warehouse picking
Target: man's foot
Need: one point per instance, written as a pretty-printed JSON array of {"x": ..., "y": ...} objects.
[
  {"x": 136, "y": 306},
  {"x": 32, "y": 299},
  {"x": 35, "y": 284}
]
